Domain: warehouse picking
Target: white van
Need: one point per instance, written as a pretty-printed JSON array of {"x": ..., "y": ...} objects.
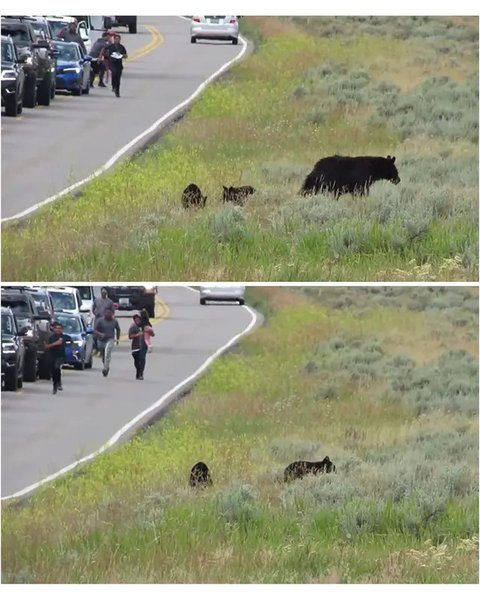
[{"x": 65, "y": 299}]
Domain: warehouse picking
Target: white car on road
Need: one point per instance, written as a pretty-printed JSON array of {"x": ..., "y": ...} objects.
[
  {"x": 222, "y": 293},
  {"x": 214, "y": 28}
]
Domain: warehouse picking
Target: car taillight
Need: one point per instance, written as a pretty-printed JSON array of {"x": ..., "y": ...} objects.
[
  {"x": 196, "y": 20},
  {"x": 233, "y": 21}
]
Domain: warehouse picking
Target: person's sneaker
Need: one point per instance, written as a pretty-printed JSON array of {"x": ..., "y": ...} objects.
[
  {"x": 54, "y": 390},
  {"x": 140, "y": 377},
  {"x": 105, "y": 372},
  {"x": 60, "y": 388},
  {"x": 150, "y": 348},
  {"x": 117, "y": 94},
  {"x": 101, "y": 84}
]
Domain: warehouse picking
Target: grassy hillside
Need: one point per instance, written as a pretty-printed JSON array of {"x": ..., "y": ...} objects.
[
  {"x": 384, "y": 381},
  {"x": 386, "y": 85}
]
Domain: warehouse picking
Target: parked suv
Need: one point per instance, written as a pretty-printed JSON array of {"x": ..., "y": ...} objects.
[
  {"x": 13, "y": 352},
  {"x": 13, "y": 78},
  {"x": 40, "y": 64},
  {"x": 34, "y": 325},
  {"x": 133, "y": 297}
]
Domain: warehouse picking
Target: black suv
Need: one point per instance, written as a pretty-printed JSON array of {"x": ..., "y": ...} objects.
[
  {"x": 133, "y": 297},
  {"x": 13, "y": 78},
  {"x": 35, "y": 326},
  {"x": 40, "y": 65},
  {"x": 129, "y": 21},
  {"x": 13, "y": 352}
]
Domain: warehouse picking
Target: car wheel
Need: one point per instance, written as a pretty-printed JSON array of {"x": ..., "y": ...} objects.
[
  {"x": 11, "y": 106},
  {"x": 30, "y": 93},
  {"x": 241, "y": 302},
  {"x": 89, "y": 364},
  {"x": 19, "y": 382},
  {"x": 193, "y": 40},
  {"x": 78, "y": 90},
  {"x": 80, "y": 366},
  {"x": 44, "y": 93},
  {"x": 86, "y": 91},
  {"x": 20, "y": 106},
  {"x": 203, "y": 301},
  {"x": 30, "y": 367},
  {"x": 235, "y": 41},
  {"x": 132, "y": 28},
  {"x": 53, "y": 90},
  {"x": 151, "y": 311},
  {"x": 11, "y": 380}
]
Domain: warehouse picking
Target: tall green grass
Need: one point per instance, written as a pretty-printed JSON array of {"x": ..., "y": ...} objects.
[
  {"x": 402, "y": 507},
  {"x": 312, "y": 88}
]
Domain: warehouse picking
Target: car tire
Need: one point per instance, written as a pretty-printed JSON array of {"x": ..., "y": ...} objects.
[
  {"x": 235, "y": 41},
  {"x": 77, "y": 91},
  {"x": 193, "y": 40},
  {"x": 45, "y": 90},
  {"x": 80, "y": 366},
  {"x": 151, "y": 311},
  {"x": 30, "y": 93},
  {"x": 20, "y": 106},
  {"x": 203, "y": 301},
  {"x": 11, "y": 106},
  {"x": 89, "y": 364},
  {"x": 53, "y": 90},
  {"x": 132, "y": 28},
  {"x": 241, "y": 302},
  {"x": 11, "y": 380},
  {"x": 19, "y": 381},
  {"x": 30, "y": 366},
  {"x": 86, "y": 91}
]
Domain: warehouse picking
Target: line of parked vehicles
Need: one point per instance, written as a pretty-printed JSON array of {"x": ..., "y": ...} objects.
[
  {"x": 27, "y": 316},
  {"x": 36, "y": 62}
]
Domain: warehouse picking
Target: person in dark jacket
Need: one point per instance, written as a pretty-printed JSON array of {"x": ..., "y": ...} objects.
[
  {"x": 98, "y": 62},
  {"x": 56, "y": 354},
  {"x": 116, "y": 53},
  {"x": 139, "y": 348},
  {"x": 70, "y": 34}
]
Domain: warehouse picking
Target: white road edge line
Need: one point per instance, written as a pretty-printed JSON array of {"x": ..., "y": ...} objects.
[
  {"x": 132, "y": 143},
  {"x": 140, "y": 416}
]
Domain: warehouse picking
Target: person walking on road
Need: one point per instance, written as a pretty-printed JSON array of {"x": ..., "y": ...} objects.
[
  {"x": 98, "y": 62},
  {"x": 56, "y": 354},
  {"x": 147, "y": 328},
  {"x": 70, "y": 34},
  {"x": 107, "y": 331},
  {"x": 99, "y": 306},
  {"x": 139, "y": 347},
  {"x": 116, "y": 53}
]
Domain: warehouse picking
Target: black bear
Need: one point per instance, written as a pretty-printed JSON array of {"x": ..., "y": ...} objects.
[
  {"x": 349, "y": 174},
  {"x": 192, "y": 196},
  {"x": 200, "y": 475},
  {"x": 300, "y": 468},
  {"x": 237, "y": 195}
]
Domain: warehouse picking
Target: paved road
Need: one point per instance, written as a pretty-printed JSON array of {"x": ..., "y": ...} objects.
[
  {"x": 42, "y": 433},
  {"x": 49, "y": 148}
]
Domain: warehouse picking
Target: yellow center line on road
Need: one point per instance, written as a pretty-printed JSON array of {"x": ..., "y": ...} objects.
[
  {"x": 162, "y": 311},
  {"x": 156, "y": 41}
]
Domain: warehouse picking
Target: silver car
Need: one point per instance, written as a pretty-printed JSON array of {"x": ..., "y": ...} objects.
[
  {"x": 223, "y": 293},
  {"x": 214, "y": 28}
]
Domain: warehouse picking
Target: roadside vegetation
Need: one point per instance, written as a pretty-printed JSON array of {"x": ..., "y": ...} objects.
[
  {"x": 384, "y": 381},
  {"x": 313, "y": 87}
]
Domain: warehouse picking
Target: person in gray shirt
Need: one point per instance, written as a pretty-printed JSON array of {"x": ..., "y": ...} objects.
[
  {"x": 99, "y": 306},
  {"x": 70, "y": 34},
  {"x": 107, "y": 331}
]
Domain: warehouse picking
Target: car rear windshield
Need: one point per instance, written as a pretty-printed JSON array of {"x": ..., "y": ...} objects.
[
  {"x": 63, "y": 300},
  {"x": 7, "y": 52},
  {"x": 70, "y": 324}
]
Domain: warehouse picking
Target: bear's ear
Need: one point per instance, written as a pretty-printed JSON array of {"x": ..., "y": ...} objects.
[
  {"x": 389, "y": 157},
  {"x": 393, "y": 159}
]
